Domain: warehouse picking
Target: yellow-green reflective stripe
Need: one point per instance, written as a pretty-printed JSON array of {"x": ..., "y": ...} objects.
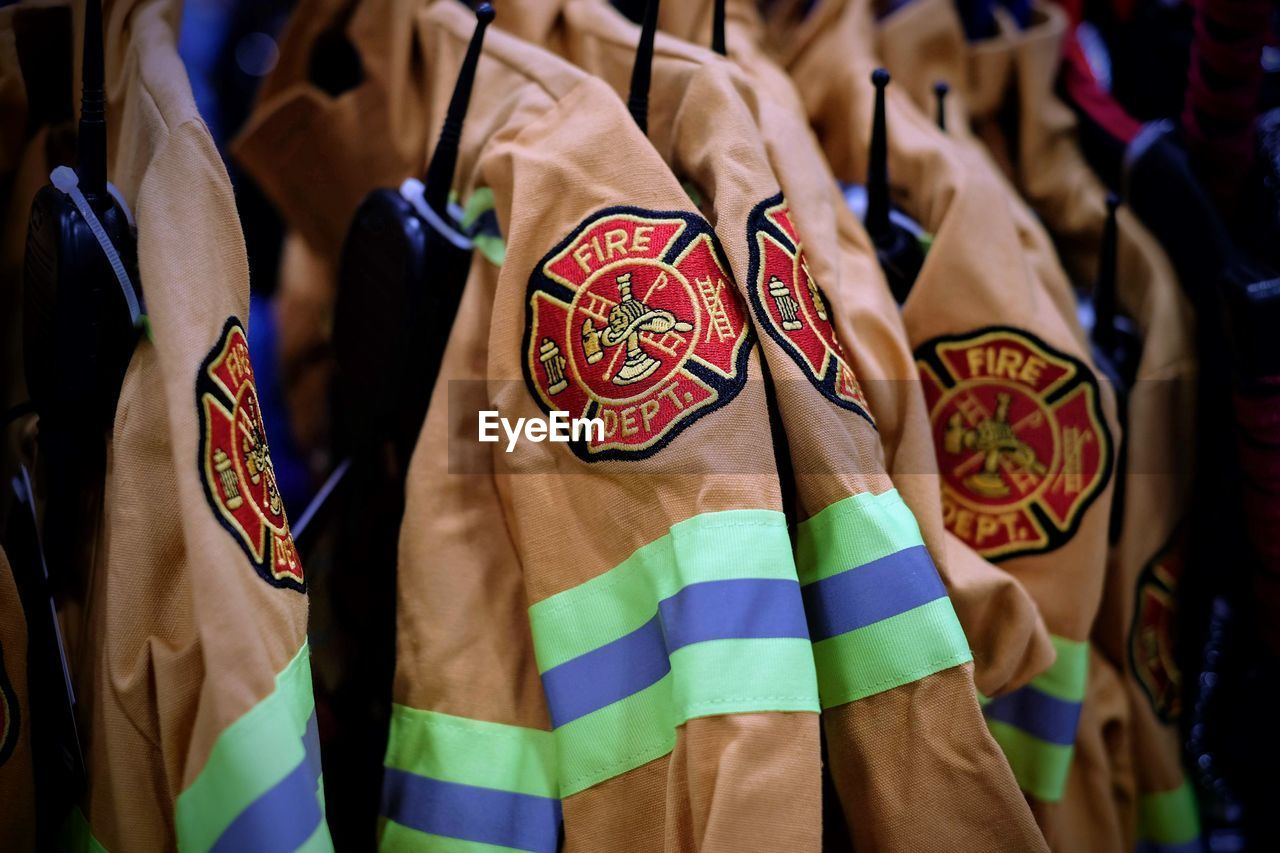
[
  {"x": 249, "y": 758},
  {"x": 319, "y": 842},
  {"x": 709, "y": 679},
  {"x": 394, "y": 838},
  {"x": 733, "y": 544},
  {"x": 480, "y": 202},
  {"x": 1039, "y": 766},
  {"x": 617, "y": 738},
  {"x": 493, "y": 247},
  {"x": 853, "y": 532},
  {"x": 1169, "y": 817},
  {"x": 1068, "y": 677},
  {"x": 706, "y": 679},
  {"x": 472, "y": 752},
  {"x": 889, "y": 653},
  {"x": 77, "y": 836}
]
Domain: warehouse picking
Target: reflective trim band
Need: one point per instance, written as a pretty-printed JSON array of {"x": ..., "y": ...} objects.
[
  {"x": 699, "y": 613},
  {"x": 472, "y": 752},
  {"x": 853, "y": 532},
  {"x": 479, "y": 220},
  {"x": 627, "y": 665},
  {"x": 479, "y": 203},
  {"x": 1039, "y": 766},
  {"x": 77, "y": 836},
  {"x": 471, "y": 813},
  {"x": 269, "y": 754},
  {"x": 1047, "y": 717},
  {"x": 706, "y": 679},
  {"x": 878, "y": 613},
  {"x": 1039, "y": 721},
  {"x": 747, "y": 608},
  {"x": 394, "y": 838},
  {"x": 1068, "y": 677},
  {"x": 872, "y": 592},
  {"x": 259, "y": 826},
  {"x": 890, "y": 653},
  {"x": 1169, "y": 821},
  {"x": 615, "y": 739},
  {"x": 468, "y": 782},
  {"x": 1194, "y": 846},
  {"x": 706, "y": 620},
  {"x": 729, "y": 545}
]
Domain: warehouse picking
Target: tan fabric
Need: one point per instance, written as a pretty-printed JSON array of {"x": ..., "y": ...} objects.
[
  {"x": 1010, "y": 644},
  {"x": 989, "y": 263},
  {"x": 1099, "y": 810},
  {"x": 965, "y": 803},
  {"x": 297, "y": 122},
  {"x": 699, "y": 122},
  {"x": 179, "y": 636},
  {"x": 538, "y": 201},
  {"x": 17, "y": 787},
  {"x": 1018, "y": 68},
  {"x": 458, "y": 653},
  {"x": 977, "y": 272},
  {"x": 303, "y": 314},
  {"x": 1136, "y": 626}
]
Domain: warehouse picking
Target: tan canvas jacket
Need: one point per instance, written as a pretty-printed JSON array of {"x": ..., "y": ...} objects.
[
  {"x": 542, "y": 670},
  {"x": 17, "y": 785},
  {"x": 1025, "y": 435},
  {"x": 188, "y": 645},
  {"x": 717, "y": 155},
  {"x": 1001, "y": 622},
  {"x": 1134, "y": 630}
]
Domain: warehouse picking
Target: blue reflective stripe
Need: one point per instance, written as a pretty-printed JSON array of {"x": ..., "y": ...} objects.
[
  {"x": 871, "y": 592},
  {"x": 311, "y": 742},
  {"x": 746, "y": 608},
  {"x": 1037, "y": 713},
  {"x": 738, "y": 609},
  {"x": 614, "y": 671},
  {"x": 466, "y": 812},
  {"x": 287, "y": 814},
  {"x": 1192, "y": 846}
]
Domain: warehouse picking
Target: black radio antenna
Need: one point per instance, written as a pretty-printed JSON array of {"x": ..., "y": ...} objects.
[
  {"x": 642, "y": 71},
  {"x": 1104, "y": 289},
  {"x": 940, "y": 89},
  {"x": 444, "y": 160},
  {"x": 717, "y": 29},
  {"x": 877, "y": 218},
  {"x": 91, "y": 143}
]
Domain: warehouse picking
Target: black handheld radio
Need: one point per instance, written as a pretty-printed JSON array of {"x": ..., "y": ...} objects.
[
  {"x": 81, "y": 320},
  {"x": 403, "y": 268},
  {"x": 401, "y": 277},
  {"x": 81, "y": 306},
  {"x": 81, "y": 316}
]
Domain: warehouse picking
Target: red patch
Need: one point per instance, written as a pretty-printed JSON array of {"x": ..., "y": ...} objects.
[
  {"x": 235, "y": 462},
  {"x": 1022, "y": 446},
  {"x": 792, "y": 307},
  {"x": 634, "y": 319},
  {"x": 1154, "y": 629}
]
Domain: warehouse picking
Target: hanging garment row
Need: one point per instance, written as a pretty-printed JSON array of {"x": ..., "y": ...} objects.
[{"x": 891, "y": 526}]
